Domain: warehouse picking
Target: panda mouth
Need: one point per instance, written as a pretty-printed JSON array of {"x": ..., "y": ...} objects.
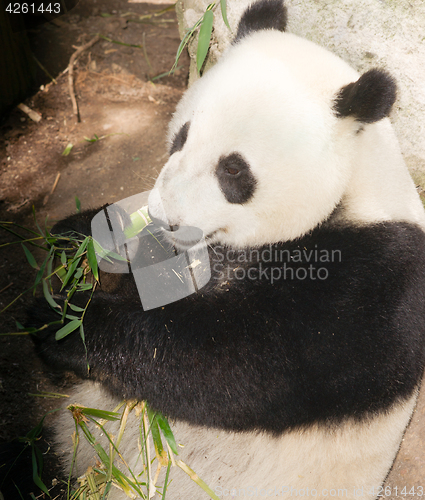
[
  {"x": 186, "y": 237},
  {"x": 183, "y": 237}
]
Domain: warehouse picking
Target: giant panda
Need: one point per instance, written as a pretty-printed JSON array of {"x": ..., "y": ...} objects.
[{"x": 296, "y": 369}]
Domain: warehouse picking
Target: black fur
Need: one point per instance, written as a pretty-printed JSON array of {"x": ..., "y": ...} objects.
[
  {"x": 180, "y": 139},
  {"x": 262, "y": 15},
  {"x": 369, "y": 99},
  {"x": 251, "y": 354},
  {"x": 235, "y": 178}
]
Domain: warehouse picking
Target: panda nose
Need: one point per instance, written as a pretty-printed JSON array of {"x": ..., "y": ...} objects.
[{"x": 163, "y": 224}]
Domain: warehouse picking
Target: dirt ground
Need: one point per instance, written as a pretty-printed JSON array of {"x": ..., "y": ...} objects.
[{"x": 129, "y": 113}]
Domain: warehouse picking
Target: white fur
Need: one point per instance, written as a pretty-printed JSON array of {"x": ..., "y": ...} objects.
[
  {"x": 270, "y": 99},
  {"x": 348, "y": 458}
]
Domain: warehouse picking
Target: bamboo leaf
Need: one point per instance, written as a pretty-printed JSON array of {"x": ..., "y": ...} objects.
[
  {"x": 192, "y": 474},
  {"x": 78, "y": 273},
  {"x": 30, "y": 257},
  {"x": 35, "y": 220},
  {"x": 223, "y": 5},
  {"x": 78, "y": 204},
  {"x": 204, "y": 38},
  {"x": 82, "y": 247},
  {"x": 67, "y": 150},
  {"x": 61, "y": 273},
  {"x": 43, "y": 266},
  {"x": 85, "y": 286},
  {"x": 166, "y": 478},
  {"x": 48, "y": 296},
  {"x": 106, "y": 254},
  {"x": 35, "y": 467},
  {"x": 156, "y": 436},
  {"x": 91, "y": 257},
  {"x": 93, "y": 412},
  {"x": 71, "y": 316},
  {"x": 71, "y": 271},
  {"x": 75, "y": 308},
  {"x": 68, "y": 328},
  {"x": 167, "y": 432}
]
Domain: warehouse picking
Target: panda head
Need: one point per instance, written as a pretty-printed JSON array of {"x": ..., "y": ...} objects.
[{"x": 262, "y": 146}]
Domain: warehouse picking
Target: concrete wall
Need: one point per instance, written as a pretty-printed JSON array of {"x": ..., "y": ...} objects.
[{"x": 366, "y": 33}]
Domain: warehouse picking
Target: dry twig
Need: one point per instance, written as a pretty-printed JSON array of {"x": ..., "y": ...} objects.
[{"x": 71, "y": 74}]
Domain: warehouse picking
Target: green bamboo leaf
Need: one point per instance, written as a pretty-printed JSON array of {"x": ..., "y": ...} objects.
[
  {"x": 85, "y": 286},
  {"x": 71, "y": 316},
  {"x": 60, "y": 271},
  {"x": 43, "y": 266},
  {"x": 156, "y": 436},
  {"x": 78, "y": 273},
  {"x": 82, "y": 247},
  {"x": 183, "y": 44},
  {"x": 204, "y": 38},
  {"x": 106, "y": 254},
  {"x": 107, "y": 490},
  {"x": 67, "y": 150},
  {"x": 167, "y": 432},
  {"x": 35, "y": 432},
  {"x": 35, "y": 220},
  {"x": 82, "y": 424},
  {"x": 91, "y": 257},
  {"x": 48, "y": 296},
  {"x": 191, "y": 473},
  {"x": 30, "y": 257},
  {"x": 223, "y": 5},
  {"x": 123, "y": 481},
  {"x": 35, "y": 467},
  {"x": 68, "y": 328},
  {"x": 166, "y": 478},
  {"x": 63, "y": 258},
  {"x": 83, "y": 338},
  {"x": 94, "y": 412},
  {"x": 78, "y": 204},
  {"x": 71, "y": 270},
  {"x": 50, "y": 265},
  {"x": 75, "y": 308}
]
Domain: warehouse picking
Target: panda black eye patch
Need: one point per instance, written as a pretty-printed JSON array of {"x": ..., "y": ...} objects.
[
  {"x": 180, "y": 139},
  {"x": 235, "y": 178}
]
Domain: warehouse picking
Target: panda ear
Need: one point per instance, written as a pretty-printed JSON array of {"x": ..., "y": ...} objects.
[
  {"x": 369, "y": 99},
  {"x": 262, "y": 15}
]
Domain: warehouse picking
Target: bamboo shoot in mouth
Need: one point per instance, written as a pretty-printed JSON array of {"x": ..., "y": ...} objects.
[{"x": 139, "y": 220}]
